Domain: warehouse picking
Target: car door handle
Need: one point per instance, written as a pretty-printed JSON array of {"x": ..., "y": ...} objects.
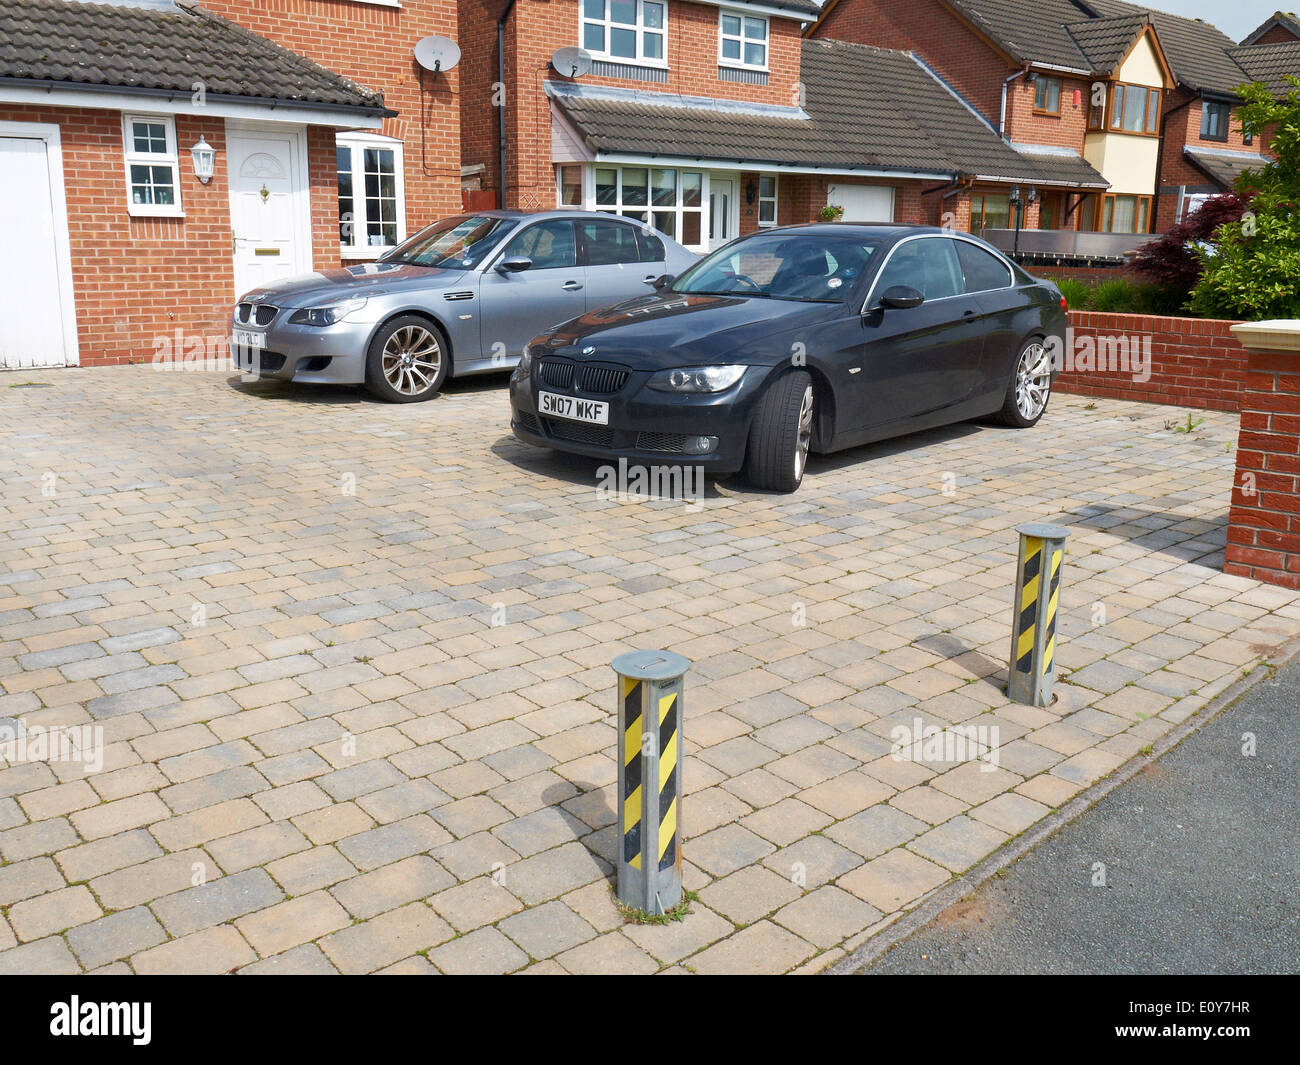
[
  {"x": 650, "y": 279},
  {"x": 969, "y": 313},
  {"x": 571, "y": 286}
]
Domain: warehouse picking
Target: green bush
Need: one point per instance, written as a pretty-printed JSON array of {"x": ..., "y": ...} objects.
[
  {"x": 1075, "y": 292},
  {"x": 1252, "y": 272},
  {"x": 1113, "y": 296},
  {"x": 1121, "y": 296}
]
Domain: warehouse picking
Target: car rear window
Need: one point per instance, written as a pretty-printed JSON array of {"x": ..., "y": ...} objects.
[
  {"x": 609, "y": 243},
  {"x": 982, "y": 270}
]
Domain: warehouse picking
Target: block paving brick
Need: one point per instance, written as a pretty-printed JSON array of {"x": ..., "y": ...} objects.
[{"x": 350, "y": 768}]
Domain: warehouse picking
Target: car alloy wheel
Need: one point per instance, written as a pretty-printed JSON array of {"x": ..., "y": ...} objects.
[
  {"x": 1033, "y": 381},
  {"x": 805, "y": 433},
  {"x": 411, "y": 360}
]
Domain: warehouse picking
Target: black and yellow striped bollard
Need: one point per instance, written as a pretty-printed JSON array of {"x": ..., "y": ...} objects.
[
  {"x": 650, "y": 779},
  {"x": 1033, "y": 628}
]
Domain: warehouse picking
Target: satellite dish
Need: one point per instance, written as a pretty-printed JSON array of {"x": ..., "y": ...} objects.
[
  {"x": 437, "y": 53},
  {"x": 572, "y": 62}
]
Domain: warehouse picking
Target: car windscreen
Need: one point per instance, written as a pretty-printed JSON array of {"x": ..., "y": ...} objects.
[
  {"x": 806, "y": 265},
  {"x": 458, "y": 242}
]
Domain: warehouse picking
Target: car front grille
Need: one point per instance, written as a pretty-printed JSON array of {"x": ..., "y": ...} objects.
[
  {"x": 578, "y": 433},
  {"x": 675, "y": 443},
  {"x": 256, "y": 313},
  {"x": 601, "y": 380},
  {"x": 527, "y": 421},
  {"x": 593, "y": 380},
  {"x": 558, "y": 373}
]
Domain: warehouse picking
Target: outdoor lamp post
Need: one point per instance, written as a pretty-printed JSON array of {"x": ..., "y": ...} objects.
[
  {"x": 205, "y": 160},
  {"x": 1017, "y": 201}
]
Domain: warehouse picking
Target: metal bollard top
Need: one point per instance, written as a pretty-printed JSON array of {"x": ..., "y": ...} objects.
[
  {"x": 651, "y": 665},
  {"x": 1043, "y": 531}
]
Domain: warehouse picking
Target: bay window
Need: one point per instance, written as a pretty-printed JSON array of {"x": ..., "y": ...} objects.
[
  {"x": 1116, "y": 213},
  {"x": 670, "y": 200}
]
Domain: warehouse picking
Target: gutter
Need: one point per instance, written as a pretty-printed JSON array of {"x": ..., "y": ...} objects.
[
  {"x": 53, "y": 87},
  {"x": 1002, "y": 118}
]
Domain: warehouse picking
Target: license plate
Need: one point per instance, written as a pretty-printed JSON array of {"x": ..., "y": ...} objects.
[
  {"x": 575, "y": 410},
  {"x": 243, "y": 338}
]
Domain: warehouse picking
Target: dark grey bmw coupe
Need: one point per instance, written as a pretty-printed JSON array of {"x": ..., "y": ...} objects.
[{"x": 804, "y": 338}]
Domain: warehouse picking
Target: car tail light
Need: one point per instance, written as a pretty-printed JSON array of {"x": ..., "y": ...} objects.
[{"x": 1065, "y": 305}]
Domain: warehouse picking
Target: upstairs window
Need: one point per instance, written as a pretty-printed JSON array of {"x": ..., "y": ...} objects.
[
  {"x": 1134, "y": 109},
  {"x": 152, "y": 169},
  {"x": 1214, "y": 121},
  {"x": 631, "y": 30},
  {"x": 742, "y": 41},
  {"x": 1047, "y": 95}
]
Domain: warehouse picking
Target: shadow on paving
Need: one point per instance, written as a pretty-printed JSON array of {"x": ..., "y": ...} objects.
[{"x": 1201, "y": 860}]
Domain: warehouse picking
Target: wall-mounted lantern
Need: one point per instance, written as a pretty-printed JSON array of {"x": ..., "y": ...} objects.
[{"x": 205, "y": 160}]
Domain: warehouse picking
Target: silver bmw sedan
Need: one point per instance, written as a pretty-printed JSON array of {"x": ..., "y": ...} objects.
[{"x": 463, "y": 296}]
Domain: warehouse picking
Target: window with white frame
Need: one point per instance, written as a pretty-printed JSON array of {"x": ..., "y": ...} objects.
[
  {"x": 372, "y": 203},
  {"x": 767, "y": 200},
  {"x": 152, "y": 165},
  {"x": 631, "y": 30},
  {"x": 742, "y": 40},
  {"x": 670, "y": 200}
]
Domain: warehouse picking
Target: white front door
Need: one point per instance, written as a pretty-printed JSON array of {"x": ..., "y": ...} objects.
[
  {"x": 35, "y": 279},
  {"x": 269, "y": 209},
  {"x": 723, "y": 210},
  {"x": 863, "y": 203}
]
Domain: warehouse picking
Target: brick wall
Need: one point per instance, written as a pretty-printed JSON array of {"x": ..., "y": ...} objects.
[
  {"x": 1278, "y": 35},
  {"x": 1264, "y": 522},
  {"x": 1064, "y": 130},
  {"x": 372, "y": 45},
  {"x": 1194, "y": 363},
  {"x": 929, "y": 28},
  {"x": 135, "y": 279}
]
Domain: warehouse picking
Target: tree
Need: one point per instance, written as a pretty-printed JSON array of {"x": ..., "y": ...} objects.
[
  {"x": 1171, "y": 260},
  {"x": 1252, "y": 270}
]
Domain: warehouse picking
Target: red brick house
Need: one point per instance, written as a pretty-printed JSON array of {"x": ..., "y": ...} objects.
[
  {"x": 1148, "y": 98},
  {"x": 710, "y": 118},
  {"x": 328, "y": 143}
]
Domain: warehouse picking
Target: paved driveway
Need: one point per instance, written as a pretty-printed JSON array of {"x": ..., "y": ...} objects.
[{"x": 351, "y": 663}]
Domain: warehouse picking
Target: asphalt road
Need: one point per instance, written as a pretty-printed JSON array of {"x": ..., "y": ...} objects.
[{"x": 1202, "y": 868}]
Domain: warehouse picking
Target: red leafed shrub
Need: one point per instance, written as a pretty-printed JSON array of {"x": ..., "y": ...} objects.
[{"x": 1171, "y": 261}]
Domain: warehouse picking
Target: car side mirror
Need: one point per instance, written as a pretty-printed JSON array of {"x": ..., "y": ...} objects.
[
  {"x": 663, "y": 281},
  {"x": 901, "y": 297},
  {"x": 515, "y": 264}
]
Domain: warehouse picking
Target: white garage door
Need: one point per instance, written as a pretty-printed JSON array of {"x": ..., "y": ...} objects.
[
  {"x": 34, "y": 304},
  {"x": 863, "y": 203}
]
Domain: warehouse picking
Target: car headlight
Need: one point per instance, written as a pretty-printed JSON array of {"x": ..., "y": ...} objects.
[
  {"x": 328, "y": 315},
  {"x": 525, "y": 364},
  {"x": 697, "y": 379}
]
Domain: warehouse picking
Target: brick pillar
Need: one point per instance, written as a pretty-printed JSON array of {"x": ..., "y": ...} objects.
[{"x": 1264, "y": 524}]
